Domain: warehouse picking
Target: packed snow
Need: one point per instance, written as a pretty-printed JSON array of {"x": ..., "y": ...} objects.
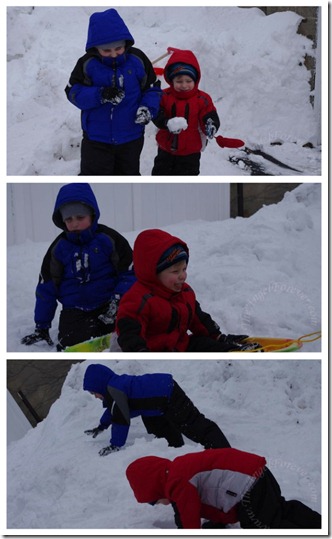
[
  {"x": 259, "y": 275},
  {"x": 252, "y": 66},
  {"x": 57, "y": 480}
]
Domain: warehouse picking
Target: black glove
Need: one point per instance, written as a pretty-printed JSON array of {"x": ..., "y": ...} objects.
[
  {"x": 236, "y": 343},
  {"x": 210, "y": 129},
  {"x": 109, "y": 316},
  {"x": 143, "y": 116},
  {"x": 112, "y": 94},
  {"x": 94, "y": 432},
  {"x": 38, "y": 335},
  {"x": 109, "y": 449},
  {"x": 232, "y": 338},
  {"x": 247, "y": 347}
]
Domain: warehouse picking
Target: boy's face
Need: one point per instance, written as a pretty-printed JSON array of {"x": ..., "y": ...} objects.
[
  {"x": 77, "y": 223},
  {"x": 111, "y": 53},
  {"x": 97, "y": 395},
  {"x": 163, "y": 501},
  {"x": 174, "y": 277},
  {"x": 183, "y": 83}
]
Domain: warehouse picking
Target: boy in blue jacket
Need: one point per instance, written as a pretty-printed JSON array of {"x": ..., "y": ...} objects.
[
  {"x": 165, "y": 409},
  {"x": 116, "y": 88},
  {"x": 87, "y": 269}
]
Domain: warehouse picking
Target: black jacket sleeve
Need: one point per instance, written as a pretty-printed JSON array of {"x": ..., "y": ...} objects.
[
  {"x": 78, "y": 75},
  {"x": 151, "y": 77},
  {"x": 123, "y": 257},
  {"x": 207, "y": 321},
  {"x": 213, "y": 115},
  {"x": 129, "y": 337}
]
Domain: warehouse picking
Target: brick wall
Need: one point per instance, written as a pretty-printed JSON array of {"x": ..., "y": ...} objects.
[
  {"x": 255, "y": 195},
  {"x": 40, "y": 381},
  {"x": 308, "y": 28}
]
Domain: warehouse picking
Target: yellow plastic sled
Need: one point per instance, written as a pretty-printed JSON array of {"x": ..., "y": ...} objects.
[
  {"x": 268, "y": 344},
  {"x": 277, "y": 344},
  {"x": 98, "y": 344}
]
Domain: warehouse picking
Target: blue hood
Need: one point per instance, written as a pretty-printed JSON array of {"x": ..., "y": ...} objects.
[
  {"x": 75, "y": 192},
  {"x": 96, "y": 379},
  {"x": 105, "y": 27}
]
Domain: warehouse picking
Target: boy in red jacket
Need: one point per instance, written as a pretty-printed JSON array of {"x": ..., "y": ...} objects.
[
  {"x": 187, "y": 116},
  {"x": 222, "y": 485},
  {"x": 160, "y": 312}
]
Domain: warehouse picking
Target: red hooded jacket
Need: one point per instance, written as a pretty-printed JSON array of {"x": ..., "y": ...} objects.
[
  {"x": 196, "y": 106},
  {"x": 209, "y": 484},
  {"x": 152, "y": 317}
]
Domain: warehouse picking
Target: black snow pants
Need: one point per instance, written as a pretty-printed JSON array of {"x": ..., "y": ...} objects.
[
  {"x": 167, "y": 164},
  {"x": 100, "y": 159},
  {"x": 77, "y": 326},
  {"x": 264, "y": 507},
  {"x": 182, "y": 417}
]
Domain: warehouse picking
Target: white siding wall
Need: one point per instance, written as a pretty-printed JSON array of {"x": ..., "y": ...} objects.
[{"x": 123, "y": 206}]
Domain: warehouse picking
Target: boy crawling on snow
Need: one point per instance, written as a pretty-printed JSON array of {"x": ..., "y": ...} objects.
[
  {"x": 224, "y": 486},
  {"x": 160, "y": 312},
  {"x": 165, "y": 409}
]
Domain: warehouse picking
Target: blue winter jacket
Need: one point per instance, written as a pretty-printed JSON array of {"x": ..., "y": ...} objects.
[
  {"x": 82, "y": 271},
  {"x": 131, "y": 71},
  {"x": 127, "y": 396}
]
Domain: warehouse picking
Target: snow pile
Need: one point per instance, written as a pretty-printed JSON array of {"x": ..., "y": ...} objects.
[
  {"x": 252, "y": 66},
  {"x": 57, "y": 480},
  {"x": 260, "y": 275}
]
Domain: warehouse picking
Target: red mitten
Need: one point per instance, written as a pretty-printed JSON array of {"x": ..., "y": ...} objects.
[{"x": 224, "y": 142}]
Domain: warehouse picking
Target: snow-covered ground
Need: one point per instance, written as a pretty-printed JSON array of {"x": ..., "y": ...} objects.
[
  {"x": 252, "y": 66},
  {"x": 259, "y": 275}
]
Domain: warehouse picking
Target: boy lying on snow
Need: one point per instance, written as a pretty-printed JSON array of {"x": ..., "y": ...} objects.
[
  {"x": 222, "y": 485},
  {"x": 159, "y": 310},
  {"x": 165, "y": 409}
]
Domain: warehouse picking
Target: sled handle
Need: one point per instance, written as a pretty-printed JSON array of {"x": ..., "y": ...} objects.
[
  {"x": 304, "y": 339},
  {"x": 158, "y": 70},
  {"x": 160, "y": 58},
  {"x": 169, "y": 51}
]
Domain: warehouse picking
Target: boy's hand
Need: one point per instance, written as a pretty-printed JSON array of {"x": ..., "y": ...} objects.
[
  {"x": 248, "y": 347},
  {"x": 177, "y": 124},
  {"x": 111, "y": 94},
  {"x": 38, "y": 335},
  {"x": 143, "y": 116},
  {"x": 109, "y": 449},
  {"x": 94, "y": 432},
  {"x": 109, "y": 316},
  {"x": 210, "y": 129},
  {"x": 232, "y": 338}
]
